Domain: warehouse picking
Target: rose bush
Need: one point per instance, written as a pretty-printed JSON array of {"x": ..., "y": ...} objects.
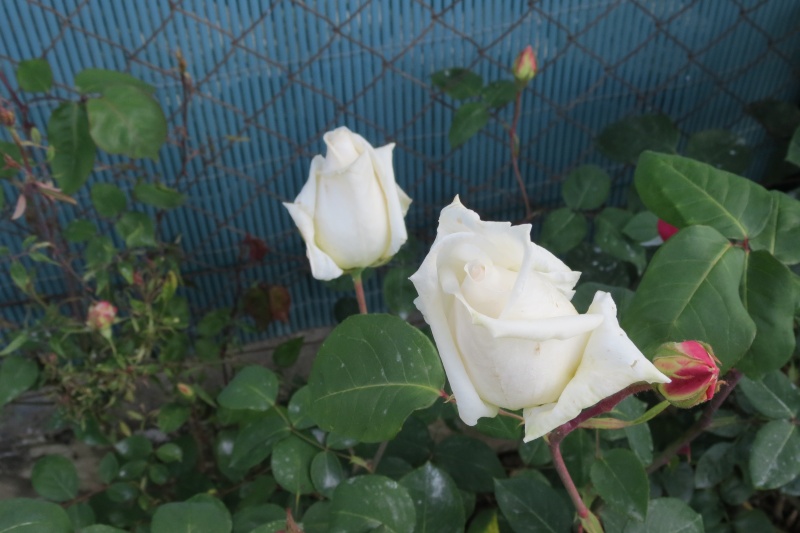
[
  {"x": 499, "y": 309},
  {"x": 350, "y": 211}
]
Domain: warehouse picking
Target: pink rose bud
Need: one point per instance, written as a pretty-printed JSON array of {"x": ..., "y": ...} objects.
[
  {"x": 525, "y": 65},
  {"x": 101, "y": 315},
  {"x": 666, "y": 230},
  {"x": 693, "y": 369}
]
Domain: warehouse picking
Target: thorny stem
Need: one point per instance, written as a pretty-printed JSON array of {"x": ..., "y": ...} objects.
[
  {"x": 731, "y": 379},
  {"x": 557, "y": 435},
  {"x": 514, "y": 144},
  {"x": 359, "y": 286}
]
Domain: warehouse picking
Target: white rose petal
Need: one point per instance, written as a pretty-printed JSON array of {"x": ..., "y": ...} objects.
[
  {"x": 508, "y": 336},
  {"x": 350, "y": 211}
]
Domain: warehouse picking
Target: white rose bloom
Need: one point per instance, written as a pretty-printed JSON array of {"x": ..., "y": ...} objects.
[
  {"x": 499, "y": 308},
  {"x": 350, "y": 211}
]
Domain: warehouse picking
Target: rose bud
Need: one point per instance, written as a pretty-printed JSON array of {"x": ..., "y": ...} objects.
[
  {"x": 525, "y": 65},
  {"x": 666, "y": 230},
  {"x": 509, "y": 337},
  {"x": 694, "y": 371},
  {"x": 7, "y": 117},
  {"x": 101, "y": 315},
  {"x": 350, "y": 211}
]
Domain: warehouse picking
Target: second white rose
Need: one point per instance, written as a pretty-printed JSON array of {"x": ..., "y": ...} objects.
[
  {"x": 350, "y": 211},
  {"x": 508, "y": 336}
]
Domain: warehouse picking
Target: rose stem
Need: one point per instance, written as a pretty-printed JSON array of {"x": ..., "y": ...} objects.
[
  {"x": 558, "y": 434},
  {"x": 732, "y": 378},
  {"x": 359, "y": 286},
  {"x": 514, "y": 141}
]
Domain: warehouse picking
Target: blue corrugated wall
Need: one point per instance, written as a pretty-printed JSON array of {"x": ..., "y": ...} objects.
[{"x": 272, "y": 77}]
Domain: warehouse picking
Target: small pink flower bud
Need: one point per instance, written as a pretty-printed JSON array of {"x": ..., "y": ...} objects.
[
  {"x": 101, "y": 315},
  {"x": 666, "y": 230},
  {"x": 525, "y": 65},
  {"x": 7, "y": 117},
  {"x": 693, "y": 369},
  {"x": 186, "y": 391}
]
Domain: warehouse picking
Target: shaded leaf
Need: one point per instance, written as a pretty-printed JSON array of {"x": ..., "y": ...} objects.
[
  {"x": 773, "y": 456},
  {"x": 532, "y": 507},
  {"x": 562, "y": 230},
  {"x": 35, "y": 75},
  {"x": 623, "y": 141},
  {"x": 55, "y": 477},
  {"x": 620, "y": 479},
  {"x": 253, "y": 387},
  {"x": 68, "y": 132},
  {"x": 458, "y": 83},
  {"x": 721, "y": 149},
  {"x": 367, "y": 503},
  {"x": 587, "y": 187},
  {"x": 436, "y": 499},
  {"x": 467, "y": 121},
  {"x": 17, "y": 374}
]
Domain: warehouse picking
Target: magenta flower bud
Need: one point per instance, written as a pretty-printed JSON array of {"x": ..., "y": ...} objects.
[
  {"x": 101, "y": 315},
  {"x": 693, "y": 369},
  {"x": 666, "y": 230},
  {"x": 525, "y": 65}
]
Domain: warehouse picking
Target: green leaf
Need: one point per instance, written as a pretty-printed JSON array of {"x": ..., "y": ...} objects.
[
  {"x": 501, "y": 427},
  {"x": 714, "y": 466},
  {"x": 99, "y": 253},
  {"x": 169, "y": 452},
  {"x": 668, "y": 515},
  {"x": 609, "y": 238},
  {"x": 367, "y": 503},
  {"x": 771, "y": 307},
  {"x": 132, "y": 470},
  {"x": 35, "y": 76},
  {"x": 471, "y": 463},
  {"x": 80, "y": 230},
  {"x": 458, "y": 83},
  {"x": 621, "y": 481},
  {"x": 172, "y": 416},
  {"x": 255, "y": 441},
  {"x": 749, "y": 520},
  {"x": 499, "y": 93},
  {"x": 11, "y": 150},
  {"x": 413, "y": 444},
  {"x": 299, "y": 407},
  {"x": 398, "y": 291},
  {"x": 136, "y": 229},
  {"x": 68, "y": 132},
  {"x": 623, "y": 141},
  {"x": 134, "y": 447},
  {"x": 108, "y": 469},
  {"x": 128, "y": 121},
  {"x": 793, "y": 154},
  {"x": 17, "y": 374},
  {"x": 690, "y": 291},
  {"x": 101, "y": 528},
  {"x": 531, "y": 506},
  {"x": 782, "y": 231},
  {"x": 122, "y": 492},
  {"x": 780, "y": 119},
  {"x": 286, "y": 353},
  {"x": 326, "y": 473},
  {"x": 223, "y": 453},
  {"x": 586, "y": 187},
  {"x": 642, "y": 227},
  {"x": 20, "y": 276},
  {"x": 774, "y": 395},
  {"x": 82, "y": 517},
  {"x": 584, "y": 294},
  {"x": 97, "y": 80},
  {"x": 108, "y": 199},
  {"x": 249, "y": 518},
  {"x": 370, "y": 373},
  {"x": 773, "y": 456},
  {"x": 578, "y": 450},
  {"x": 191, "y": 517},
  {"x": 158, "y": 195},
  {"x": 685, "y": 192},
  {"x": 23, "y": 515},
  {"x": 721, "y": 149},
  {"x": 291, "y": 465},
  {"x": 467, "y": 121},
  {"x": 563, "y": 230},
  {"x": 55, "y": 477},
  {"x": 436, "y": 498},
  {"x": 253, "y": 387}
]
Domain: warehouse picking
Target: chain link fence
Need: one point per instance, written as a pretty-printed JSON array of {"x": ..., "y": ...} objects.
[{"x": 270, "y": 78}]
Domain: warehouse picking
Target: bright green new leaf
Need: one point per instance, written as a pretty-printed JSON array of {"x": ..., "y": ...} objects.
[
  {"x": 24, "y": 515},
  {"x": 563, "y": 230},
  {"x": 691, "y": 291},
  {"x": 68, "y": 133},
  {"x": 254, "y": 387},
  {"x": 587, "y": 187},
  {"x": 458, "y": 83},
  {"x": 370, "y": 373},
  {"x": 35, "y": 75},
  {"x": 771, "y": 306},
  {"x": 158, "y": 196},
  {"x": 531, "y": 506},
  {"x": 436, "y": 498},
  {"x": 17, "y": 374},
  {"x": 685, "y": 192},
  {"x": 721, "y": 149},
  {"x": 127, "y": 121},
  {"x": 367, "y": 503},
  {"x": 467, "y": 121},
  {"x": 773, "y": 455},
  {"x": 623, "y": 141},
  {"x": 621, "y": 481},
  {"x": 55, "y": 477},
  {"x": 98, "y": 80}
]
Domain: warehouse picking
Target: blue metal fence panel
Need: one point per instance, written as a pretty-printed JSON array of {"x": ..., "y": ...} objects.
[{"x": 271, "y": 77}]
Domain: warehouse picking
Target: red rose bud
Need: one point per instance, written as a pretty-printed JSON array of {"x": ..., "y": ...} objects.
[
  {"x": 101, "y": 315},
  {"x": 693, "y": 369},
  {"x": 525, "y": 65},
  {"x": 666, "y": 230},
  {"x": 186, "y": 391}
]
